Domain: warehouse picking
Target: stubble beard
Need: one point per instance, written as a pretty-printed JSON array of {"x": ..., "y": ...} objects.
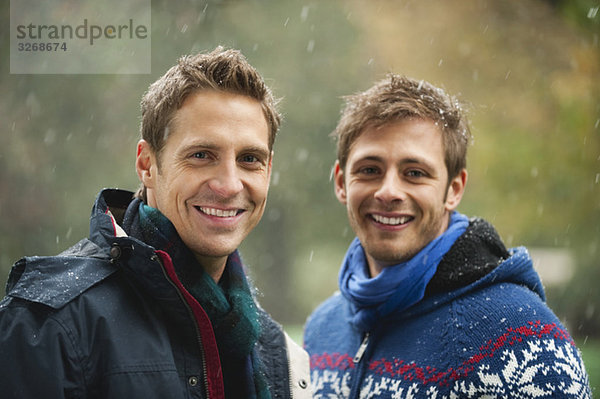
[{"x": 400, "y": 250}]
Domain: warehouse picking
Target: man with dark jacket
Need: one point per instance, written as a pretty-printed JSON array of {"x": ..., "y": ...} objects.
[
  {"x": 432, "y": 304},
  {"x": 155, "y": 303}
]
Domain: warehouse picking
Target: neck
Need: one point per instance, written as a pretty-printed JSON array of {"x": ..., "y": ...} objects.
[
  {"x": 375, "y": 266},
  {"x": 213, "y": 266}
]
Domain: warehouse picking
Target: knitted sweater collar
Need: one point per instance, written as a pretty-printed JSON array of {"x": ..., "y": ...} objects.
[{"x": 474, "y": 254}]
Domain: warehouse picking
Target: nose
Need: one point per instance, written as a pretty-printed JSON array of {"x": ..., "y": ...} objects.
[
  {"x": 226, "y": 181},
  {"x": 391, "y": 188}
]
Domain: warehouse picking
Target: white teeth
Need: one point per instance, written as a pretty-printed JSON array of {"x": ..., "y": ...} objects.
[
  {"x": 218, "y": 212},
  {"x": 391, "y": 221}
]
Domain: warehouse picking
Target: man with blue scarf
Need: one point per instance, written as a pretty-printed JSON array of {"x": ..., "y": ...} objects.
[
  {"x": 155, "y": 303},
  {"x": 431, "y": 303}
]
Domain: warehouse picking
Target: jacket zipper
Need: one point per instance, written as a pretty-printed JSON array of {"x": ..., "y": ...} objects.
[
  {"x": 290, "y": 382},
  {"x": 361, "y": 349},
  {"x": 354, "y": 391},
  {"x": 191, "y": 313}
]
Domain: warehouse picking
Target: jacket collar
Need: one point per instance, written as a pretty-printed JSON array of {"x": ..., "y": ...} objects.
[
  {"x": 56, "y": 280},
  {"x": 107, "y": 214}
]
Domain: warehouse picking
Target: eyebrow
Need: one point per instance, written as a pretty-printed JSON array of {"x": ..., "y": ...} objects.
[
  {"x": 196, "y": 146},
  {"x": 262, "y": 151},
  {"x": 416, "y": 160},
  {"x": 403, "y": 161},
  {"x": 370, "y": 158}
]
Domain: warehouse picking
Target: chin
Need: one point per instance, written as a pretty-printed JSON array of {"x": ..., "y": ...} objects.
[
  {"x": 216, "y": 252},
  {"x": 391, "y": 256},
  {"x": 211, "y": 251}
]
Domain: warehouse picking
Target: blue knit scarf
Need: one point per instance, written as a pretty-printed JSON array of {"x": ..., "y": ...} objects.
[
  {"x": 397, "y": 287},
  {"x": 229, "y": 305}
]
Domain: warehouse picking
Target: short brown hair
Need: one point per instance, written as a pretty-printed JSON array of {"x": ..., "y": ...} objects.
[
  {"x": 225, "y": 70},
  {"x": 399, "y": 97}
]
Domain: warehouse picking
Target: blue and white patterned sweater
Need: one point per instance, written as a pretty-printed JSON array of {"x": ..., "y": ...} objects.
[{"x": 492, "y": 338}]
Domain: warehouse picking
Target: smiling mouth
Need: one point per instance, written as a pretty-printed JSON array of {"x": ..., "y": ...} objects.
[
  {"x": 221, "y": 213},
  {"x": 393, "y": 221}
]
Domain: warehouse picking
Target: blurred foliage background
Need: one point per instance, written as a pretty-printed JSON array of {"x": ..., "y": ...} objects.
[{"x": 529, "y": 70}]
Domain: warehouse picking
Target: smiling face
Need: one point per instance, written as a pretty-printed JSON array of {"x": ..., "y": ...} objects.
[
  {"x": 396, "y": 190},
  {"x": 212, "y": 178}
]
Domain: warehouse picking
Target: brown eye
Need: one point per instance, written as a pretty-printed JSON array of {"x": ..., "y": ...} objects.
[{"x": 415, "y": 173}]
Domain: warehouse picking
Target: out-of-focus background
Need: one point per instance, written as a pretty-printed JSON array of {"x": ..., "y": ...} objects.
[{"x": 529, "y": 69}]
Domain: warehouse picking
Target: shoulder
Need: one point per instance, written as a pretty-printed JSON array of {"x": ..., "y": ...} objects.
[
  {"x": 42, "y": 320},
  {"x": 271, "y": 332},
  {"x": 329, "y": 323},
  {"x": 272, "y": 352},
  {"x": 504, "y": 301},
  {"x": 54, "y": 281},
  {"x": 500, "y": 310},
  {"x": 516, "y": 343},
  {"x": 286, "y": 364}
]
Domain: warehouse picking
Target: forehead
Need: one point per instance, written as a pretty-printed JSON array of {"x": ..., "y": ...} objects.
[
  {"x": 402, "y": 138},
  {"x": 218, "y": 115}
]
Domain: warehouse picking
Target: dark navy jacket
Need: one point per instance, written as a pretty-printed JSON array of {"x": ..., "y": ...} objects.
[{"x": 108, "y": 318}]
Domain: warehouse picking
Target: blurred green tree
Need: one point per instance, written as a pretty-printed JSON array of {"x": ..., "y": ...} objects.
[{"x": 529, "y": 71}]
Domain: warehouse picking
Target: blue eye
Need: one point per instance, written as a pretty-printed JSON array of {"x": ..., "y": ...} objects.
[
  {"x": 368, "y": 170},
  {"x": 200, "y": 155},
  {"x": 249, "y": 159}
]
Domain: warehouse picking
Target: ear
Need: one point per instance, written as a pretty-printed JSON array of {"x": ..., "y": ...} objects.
[
  {"x": 339, "y": 183},
  {"x": 145, "y": 164},
  {"x": 456, "y": 189}
]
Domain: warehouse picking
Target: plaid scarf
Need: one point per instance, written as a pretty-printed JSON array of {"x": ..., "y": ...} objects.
[{"x": 229, "y": 304}]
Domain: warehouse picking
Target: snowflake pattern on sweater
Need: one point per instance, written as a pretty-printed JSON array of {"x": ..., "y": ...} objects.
[
  {"x": 482, "y": 330},
  {"x": 498, "y": 370}
]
